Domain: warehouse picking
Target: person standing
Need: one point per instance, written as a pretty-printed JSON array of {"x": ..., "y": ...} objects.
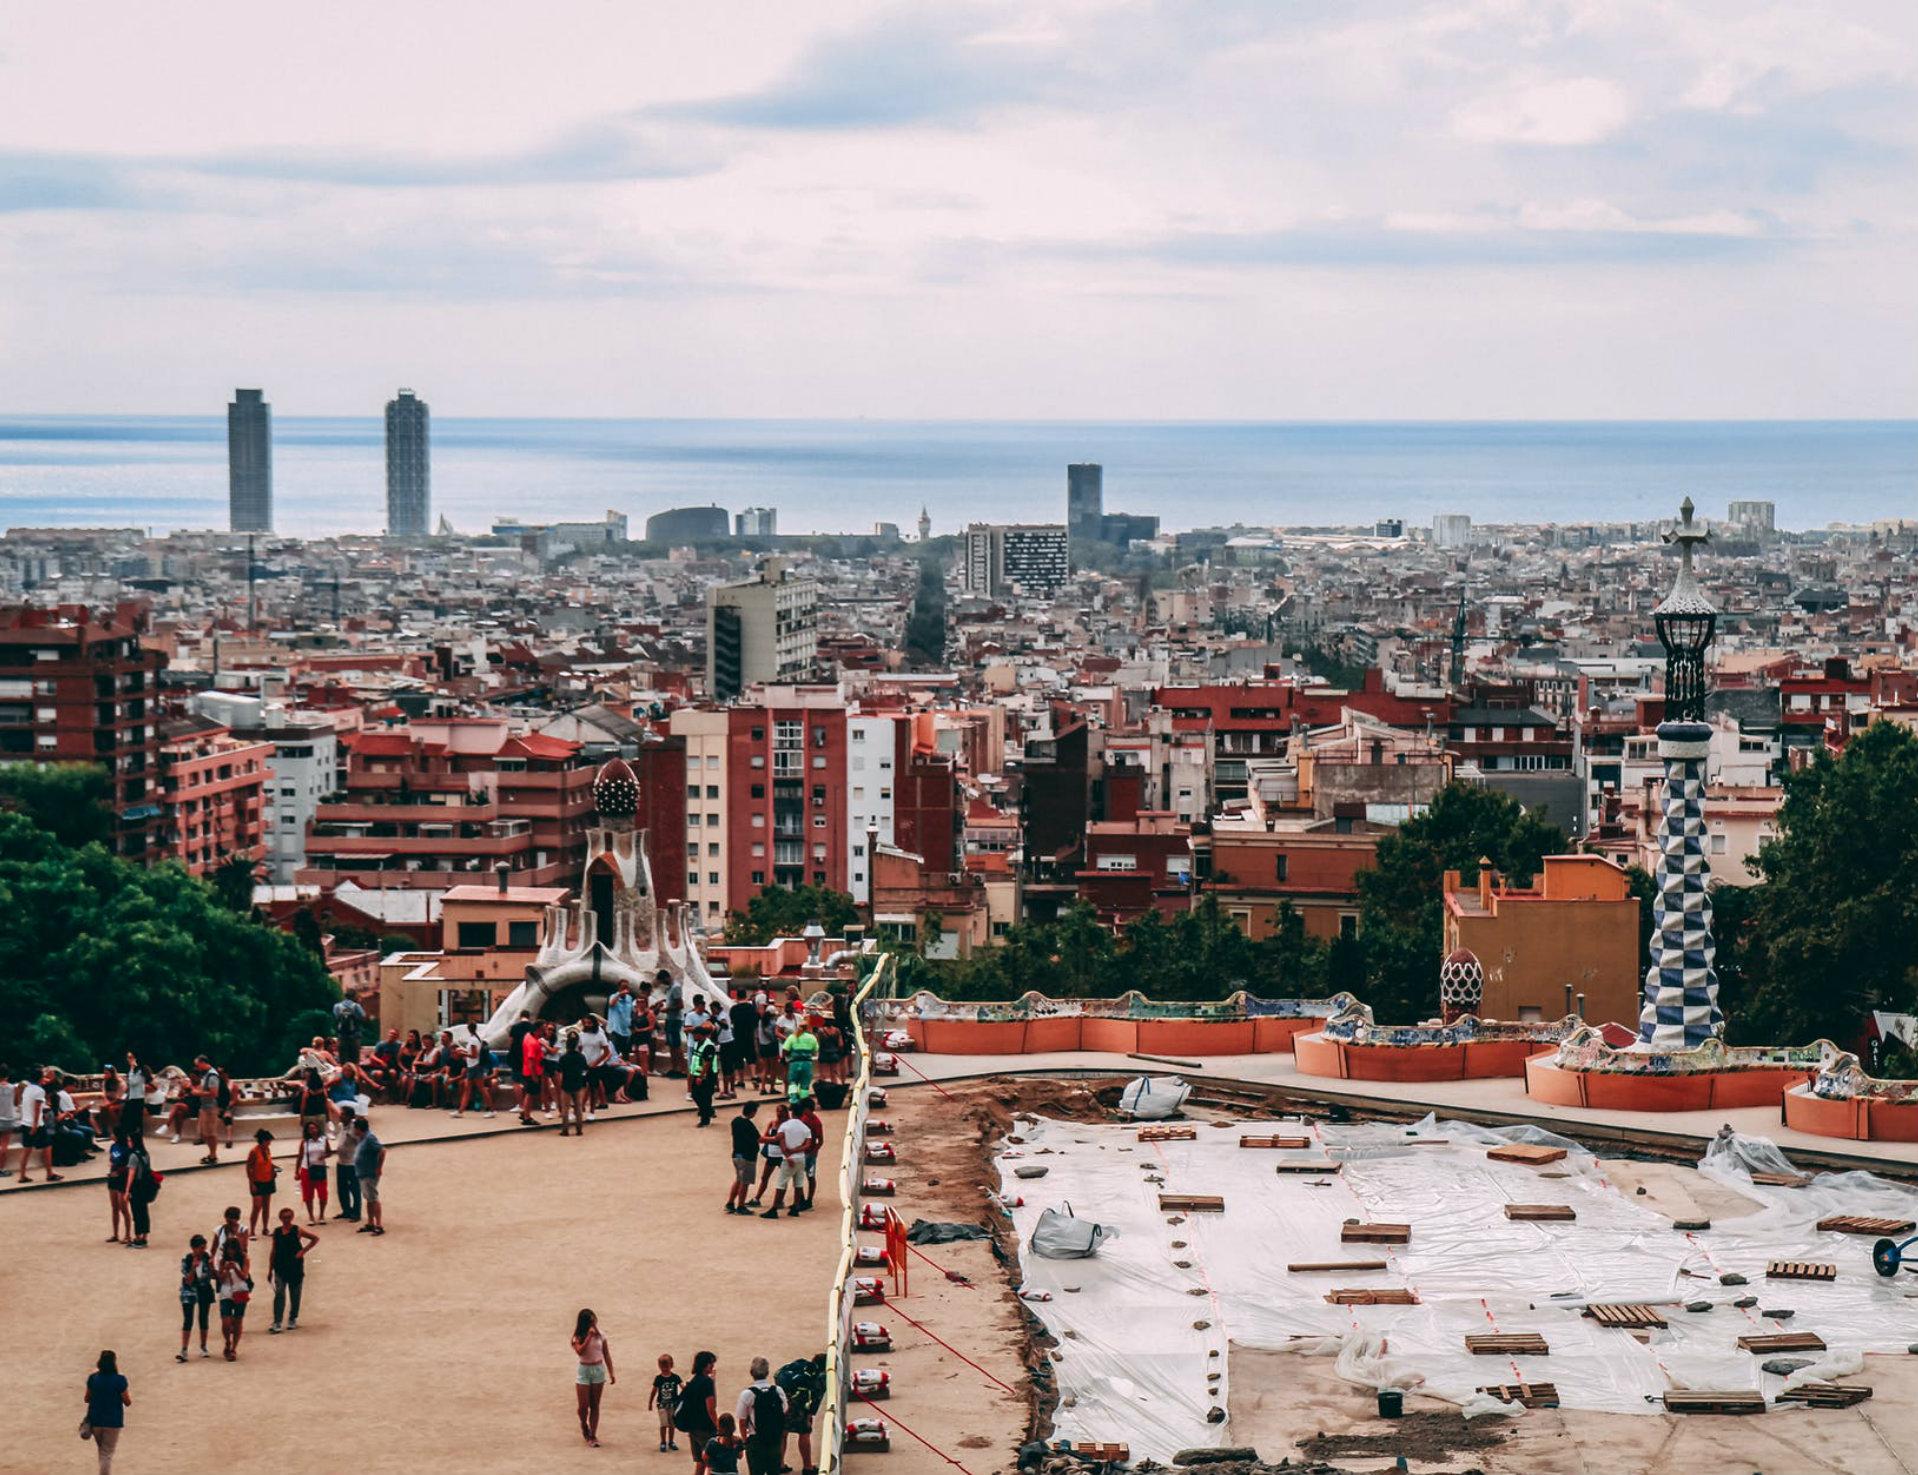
[
  {"x": 664, "y": 1399},
  {"x": 595, "y": 1356},
  {"x": 761, "y": 1416},
  {"x": 36, "y": 1128},
  {"x": 119, "y": 1157},
  {"x": 722, "y": 1450},
  {"x": 675, "y": 1024},
  {"x": 196, "y": 1293},
  {"x": 479, "y": 1072},
  {"x": 698, "y": 1416},
  {"x": 801, "y": 1049},
  {"x": 234, "y": 1281},
  {"x": 793, "y": 1136},
  {"x": 143, "y": 1187},
  {"x": 745, "y": 1156},
  {"x": 107, "y": 1401},
  {"x": 573, "y": 1078},
  {"x": 598, "y": 1051},
  {"x": 311, "y": 1169},
  {"x": 9, "y": 1115},
  {"x": 346, "y": 1181},
  {"x": 260, "y": 1175},
  {"x": 702, "y": 1070},
  {"x": 369, "y": 1163},
  {"x": 286, "y": 1268},
  {"x": 133, "y": 1112},
  {"x": 206, "y": 1106},
  {"x": 803, "y": 1109},
  {"x": 619, "y": 1019},
  {"x": 531, "y": 1069},
  {"x": 349, "y": 1023}
]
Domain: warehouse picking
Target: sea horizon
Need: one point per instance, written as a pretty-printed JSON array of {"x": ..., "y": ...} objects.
[{"x": 168, "y": 472}]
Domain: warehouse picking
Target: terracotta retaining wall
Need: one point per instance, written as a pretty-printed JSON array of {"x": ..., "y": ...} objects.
[
  {"x": 1319, "y": 1055},
  {"x": 1705, "y": 1090},
  {"x": 1860, "y": 1118},
  {"x": 1262, "y": 1035}
]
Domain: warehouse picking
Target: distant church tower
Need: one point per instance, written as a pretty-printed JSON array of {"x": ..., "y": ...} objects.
[{"x": 925, "y": 526}]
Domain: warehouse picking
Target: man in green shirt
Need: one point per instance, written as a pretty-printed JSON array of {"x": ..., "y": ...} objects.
[
  {"x": 801, "y": 1049},
  {"x": 702, "y": 1069}
]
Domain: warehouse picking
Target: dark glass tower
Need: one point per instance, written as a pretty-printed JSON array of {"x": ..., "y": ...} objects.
[
  {"x": 408, "y": 480},
  {"x": 1085, "y": 501},
  {"x": 249, "y": 462}
]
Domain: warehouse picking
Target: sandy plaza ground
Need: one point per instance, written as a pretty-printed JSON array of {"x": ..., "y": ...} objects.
[{"x": 441, "y": 1346}]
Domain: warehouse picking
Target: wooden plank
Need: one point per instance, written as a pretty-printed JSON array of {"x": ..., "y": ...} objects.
[
  {"x": 1800, "y": 1270},
  {"x": 1317, "y": 1165},
  {"x": 1507, "y": 1344},
  {"x": 1554, "y": 1212},
  {"x": 1532, "y": 1395},
  {"x": 1121, "y": 1453},
  {"x": 1738, "y": 1401},
  {"x": 1782, "y": 1342},
  {"x": 1168, "y": 1134},
  {"x": 1271, "y": 1140},
  {"x": 1630, "y": 1316},
  {"x": 1782, "y": 1180},
  {"x": 1826, "y": 1395},
  {"x": 1191, "y": 1203},
  {"x": 1525, "y": 1152},
  {"x": 1380, "y": 1296},
  {"x": 1375, "y": 1234},
  {"x": 1855, "y": 1224},
  {"x": 1306, "y": 1267}
]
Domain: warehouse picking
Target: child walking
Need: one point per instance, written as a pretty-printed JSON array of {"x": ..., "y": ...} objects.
[{"x": 665, "y": 1398}]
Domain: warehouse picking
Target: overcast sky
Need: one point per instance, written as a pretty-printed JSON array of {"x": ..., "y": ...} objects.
[{"x": 1262, "y": 210}]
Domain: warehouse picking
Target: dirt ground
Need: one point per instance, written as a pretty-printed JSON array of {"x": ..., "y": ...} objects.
[{"x": 441, "y": 1346}]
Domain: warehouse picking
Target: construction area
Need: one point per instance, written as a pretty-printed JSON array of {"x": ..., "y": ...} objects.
[{"x": 1273, "y": 1278}]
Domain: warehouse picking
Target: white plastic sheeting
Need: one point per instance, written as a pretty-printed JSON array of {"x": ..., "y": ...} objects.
[{"x": 1142, "y": 1324}]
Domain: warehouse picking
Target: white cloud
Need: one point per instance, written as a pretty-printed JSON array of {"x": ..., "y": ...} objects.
[{"x": 1552, "y": 111}]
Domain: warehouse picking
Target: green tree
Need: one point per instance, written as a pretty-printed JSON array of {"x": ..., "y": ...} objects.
[
  {"x": 100, "y": 956},
  {"x": 232, "y": 881},
  {"x": 1834, "y": 924},
  {"x": 778, "y": 912},
  {"x": 1401, "y": 908},
  {"x": 71, "y": 801},
  {"x": 925, "y": 641},
  {"x": 306, "y": 927}
]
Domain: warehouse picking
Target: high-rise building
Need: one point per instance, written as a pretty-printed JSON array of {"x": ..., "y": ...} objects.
[
  {"x": 408, "y": 478},
  {"x": 1451, "y": 530},
  {"x": 763, "y": 629},
  {"x": 77, "y": 686},
  {"x": 213, "y": 792},
  {"x": 1029, "y": 558},
  {"x": 756, "y": 522},
  {"x": 787, "y": 801},
  {"x": 249, "y": 462},
  {"x": 1753, "y": 517},
  {"x": 1085, "y": 500}
]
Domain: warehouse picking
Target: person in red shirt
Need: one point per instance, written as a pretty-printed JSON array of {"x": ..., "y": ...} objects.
[
  {"x": 809, "y": 1114},
  {"x": 532, "y": 1072},
  {"x": 260, "y": 1174}
]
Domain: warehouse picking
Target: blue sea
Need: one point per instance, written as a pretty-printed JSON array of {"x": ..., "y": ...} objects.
[{"x": 169, "y": 472}]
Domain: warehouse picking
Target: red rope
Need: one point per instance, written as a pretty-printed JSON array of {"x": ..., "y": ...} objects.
[
  {"x": 894, "y": 1419},
  {"x": 954, "y": 1351},
  {"x": 951, "y": 1275},
  {"x": 924, "y": 1077}
]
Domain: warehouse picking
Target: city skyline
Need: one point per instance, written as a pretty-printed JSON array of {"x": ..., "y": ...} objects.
[{"x": 1402, "y": 211}]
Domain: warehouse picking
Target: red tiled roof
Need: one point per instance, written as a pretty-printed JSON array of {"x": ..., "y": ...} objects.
[{"x": 538, "y": 745}]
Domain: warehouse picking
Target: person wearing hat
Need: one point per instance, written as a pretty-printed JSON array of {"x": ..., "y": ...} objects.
[{"x": 702, "y": 1069}]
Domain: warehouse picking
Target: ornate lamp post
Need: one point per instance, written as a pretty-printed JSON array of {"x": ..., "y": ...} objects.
[{"x": 1681, "y": 986}]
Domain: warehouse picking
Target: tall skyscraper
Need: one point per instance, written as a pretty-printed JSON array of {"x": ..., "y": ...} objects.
[
  {"x": 762, "y": 629},
  {"x": 408, "y": 478},
  {"x": 1085, "y": 500},
  {"x": 249, "y": 463}
]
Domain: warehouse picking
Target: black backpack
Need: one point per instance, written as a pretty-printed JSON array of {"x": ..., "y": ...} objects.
[
  {"x": 769, "y": 1415},
  {"x": 804, "y": 1379}
]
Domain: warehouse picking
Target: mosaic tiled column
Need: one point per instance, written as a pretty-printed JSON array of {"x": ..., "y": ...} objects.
[{"x": 1681, "y": 986}]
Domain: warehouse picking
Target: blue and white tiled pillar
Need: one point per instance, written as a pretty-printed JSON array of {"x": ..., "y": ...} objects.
[{"x": 1681, "y": 985}]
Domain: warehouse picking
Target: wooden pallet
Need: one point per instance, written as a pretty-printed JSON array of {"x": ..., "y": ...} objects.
[
  {"x": 1507, "y": 1344},
  {"x": 1800, "y": 1270},
  {"x": 1532, "y": 1395},
  {"x": 1853, "y": 1224},
  {"x": 1388, "y": 1296},
  {"x": 1107, "y": 1452},
  {"x": 1826, "y": 1395},
  {"x": 1375, "y": 1234},
  {"x": 1627, "y": 1316},
  {"x": 1739, "y": 1401},
  {"x": 1320, "y": 1165},
  {"x": 1168, "y": 1134},
  {"x": 1309, "y": 1267},
  {"x": 1782, "y": 1342},
  {"x": 1191, "y": 1203},
  {"x": 1523, "y": 1152},
  {"x": 1271, "y": 1140},
  {"x": 1782, "y": 1180},
  {"x": 1555, "y": 1212}
]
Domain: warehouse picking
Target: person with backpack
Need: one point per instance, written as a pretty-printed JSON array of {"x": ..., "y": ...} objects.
[
  {"x": 143, "y": 1187},
  {"x": 761, "y": 1416},
  {"x": 196, "y": 1293},
  {"x": 349, "y": 1020},
  {"x": 803, "y": 1380},
  {"x": 206, "y": 1101},
  {"x": 698, "y": 1414}
]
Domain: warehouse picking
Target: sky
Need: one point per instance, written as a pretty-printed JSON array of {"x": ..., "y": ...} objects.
[{"x": 1035, "y": 209}]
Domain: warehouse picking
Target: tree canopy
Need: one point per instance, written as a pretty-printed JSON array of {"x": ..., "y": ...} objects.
[
  {"x": 100, "y": 955},
  {"x": 777, "y": 912},
  {"x": 925, "y": 641},
  {"x": 69, "y": 800},
  {"x": 1831, "y": 932}
]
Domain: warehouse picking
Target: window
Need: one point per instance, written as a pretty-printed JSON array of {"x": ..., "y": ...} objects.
[
  {"x": 692, "y": 821},
  {"x": 819, "y": 737},
  {"x": 759, "y": 821},
  {"x": 858, "y": 764},
  {"x": 522, "y": 934},
  {"x": 819, "y": 878},
  {"x": 1498, "y": 734},
  {"x": 759, "y": 760},
  {"x": 712, "y": 850},
  {"x": 759, "y": 791},
  {"x": 713, "y": 877},
  {"x": 859, "y": 850},
  {"x": 759, "y": 734},
  {"x": 1283, "y": 865},
  {"x": 885, "y": 793},
  {"x": 712, "y": 791},
  {"x": 478, "y": 934},
  {"x": 818, "y": 793},
  {"x": 712, "y": 760},
  {"x": 692, "y": 879},
  {"x": 1530, "y": 1014},
  {"x": 692, "y": 791},
  {"x": 819, "y": 852},
  {"x": 859, "y": 734},
  {"x": 1718, "y": 844},
  {"x": 818, "y": 761},
  {"x": 759, "y": 878},
  {"x": 759, "y": 848},
  {"x": 1348, "y": 924}
]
